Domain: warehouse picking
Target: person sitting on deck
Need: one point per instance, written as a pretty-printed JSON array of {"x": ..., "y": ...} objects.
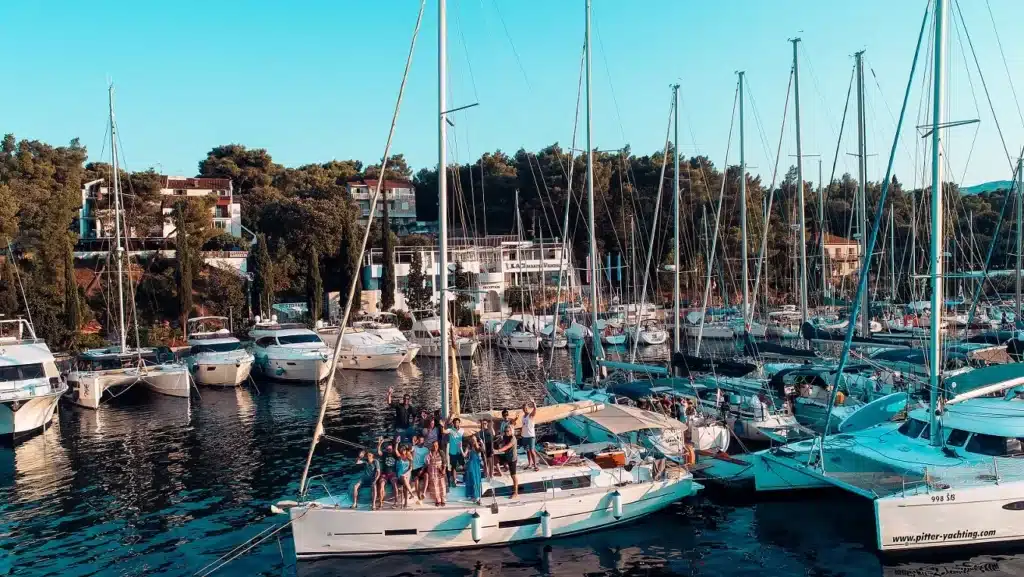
[
  {"x": 388, "y": 471},
  {"x": 404, "y": 469},
  {"x": 419, "y": 467},
  {"x": 371, "y": 473}
]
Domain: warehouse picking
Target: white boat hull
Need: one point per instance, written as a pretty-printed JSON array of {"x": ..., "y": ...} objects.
[
  {"x": 330, "y": 531},
  {"x": 171, "y": 380},
  {"x": 20, "y": 419},
  {"x": 529, "y": 343},
  {"x": 225, "y": 373},
  {"x": 712, "y": 332},
  {"x": 375, "y": 362},
  {"x": 411, "y": 350},
  {"x": 310, "y": 370}
]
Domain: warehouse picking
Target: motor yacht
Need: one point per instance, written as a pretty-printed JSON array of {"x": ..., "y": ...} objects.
[
  {"x": 216, "y": 358},
  {"x": 30, "y": 384},
  {"x": 385, "y": 326},
  {"x": 289, "y": 351},
  {"x": 361, "y": 350}
]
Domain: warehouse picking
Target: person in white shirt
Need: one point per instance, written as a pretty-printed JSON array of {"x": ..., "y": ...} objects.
[{"x": 529, "y": 433}]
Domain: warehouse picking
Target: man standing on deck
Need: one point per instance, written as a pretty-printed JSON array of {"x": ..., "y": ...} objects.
[
  {"x": 529, "y": 433},
  {"x": 404, "y": 415}
]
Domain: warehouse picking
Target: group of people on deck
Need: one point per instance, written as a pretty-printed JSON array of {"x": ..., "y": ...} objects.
[{"x": 427, "y": 451}]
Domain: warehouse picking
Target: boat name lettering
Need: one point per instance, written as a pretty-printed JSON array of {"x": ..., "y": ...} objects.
[
  {"x": 944, "y": 498},
  {"x": 961, "y": 535}
]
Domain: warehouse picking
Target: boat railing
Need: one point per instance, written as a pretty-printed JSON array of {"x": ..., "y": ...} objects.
[
  {"x": 323, "y": 483},
  {"x": 940, "y": 480}
]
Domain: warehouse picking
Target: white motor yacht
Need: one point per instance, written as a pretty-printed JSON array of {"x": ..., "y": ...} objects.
[
  {"x": 363, "y": 351},
  {"x": 385, "y": 326},
  {"x": 591, "y": 488},
  {"x": 216, "y": 358},
  {"x": 426, "y": 332},
  {"x": 106, "y": 373},
  {"x": 30, "y": 384},
  {"x": 513, "y": 335},
  {"x": 289, "y": 352}
]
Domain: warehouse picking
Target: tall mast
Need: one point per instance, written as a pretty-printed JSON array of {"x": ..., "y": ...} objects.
[
  {"x": 442, "y": 191},
  {"x": 675, "y": 221},
  {"x": 892, "y": 253},
  {"x": 800, "y": 186},
  {"x": 935, "y": 335},
  {"x": 821, "y": 232},
  {"x": 743, "y": 218},
  {"x": 1020, "y": 181},
  {"x": 594, "y": 263},
  {"x": 119, "y": 250},
  {"x": 862, "y": 193}
]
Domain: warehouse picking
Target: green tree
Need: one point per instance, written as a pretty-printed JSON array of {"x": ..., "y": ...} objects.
[
  {"x": 314, "y": 286},
  {"x": 72, "y": 313},
  {"x": 348, "y": 258},
  {"x": 460, "y": 311},
  {"x": 223, "y": 293},
  {"x": 387, "y": 274},
  {"x": 8, "y": 286},
  {"x": 262, "y": 270},
  {"x": 184, "y": 267},
  {"x": 418, "y": 295}
]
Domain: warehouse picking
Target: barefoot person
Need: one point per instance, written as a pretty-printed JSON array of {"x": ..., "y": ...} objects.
[
  {"x": 507, "y": 450},
  {"x": 435, "y": 474},
  {"x": 388, "y": 472},
  {"x": 371, "y": 473}
]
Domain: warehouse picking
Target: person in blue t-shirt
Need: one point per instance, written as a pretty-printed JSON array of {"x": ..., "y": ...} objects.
[
  {"x": 370, "y": 476},
  {"x": 456, "y": 459}
]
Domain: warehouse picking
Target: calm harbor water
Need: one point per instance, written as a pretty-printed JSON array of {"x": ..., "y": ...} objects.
[{"x": 151, "y": 485}]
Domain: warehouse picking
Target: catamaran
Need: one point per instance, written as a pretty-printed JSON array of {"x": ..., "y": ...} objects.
[
  {"x": 30, "y": 384},
  {"x": 107, "y": 372}
]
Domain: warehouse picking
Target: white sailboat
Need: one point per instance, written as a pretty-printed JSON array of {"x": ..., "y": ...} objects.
[
  {"x": 584, "y": 493},
  {"x": 30, "y": 384},
  {"x": 426, "y": 332},
  {"x": 97, "y": 373},
  {"x": 216, "y": 357},
  {"x": 289, "y": 351}
]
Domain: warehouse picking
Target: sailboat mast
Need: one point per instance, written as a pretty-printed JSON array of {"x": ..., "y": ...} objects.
[
  {"x": 821, "y": 231},
  {"x": 935, "y": 334},
  {"x": 862, "y": 193},
  {"x": 442, "y": 192},
  {"x": 675, "y": 221},
  {"x": 594, "y": 279},
  {"x": 1020, "y": 219},
  {"x": 119, "y": 250},
  {"x": 892, "y": 253},
  {"x": 802, "y": 242},
  {"x": 743, "y": 218}
]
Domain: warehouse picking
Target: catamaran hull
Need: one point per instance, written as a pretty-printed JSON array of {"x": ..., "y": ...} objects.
[
  {"x": 88, "y": 389},
  {"x": 222, "y": 374},
  {"x": 325, "y": 532},
  {"x": 21, "y": 419},
  {"x": 172, "y": 381}
]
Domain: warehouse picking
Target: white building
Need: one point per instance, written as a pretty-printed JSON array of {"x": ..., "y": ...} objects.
[
  {"x": 494, "y": 263},
  {"x": 401, "y": 197},
  {"x": 95, "y": 220}
]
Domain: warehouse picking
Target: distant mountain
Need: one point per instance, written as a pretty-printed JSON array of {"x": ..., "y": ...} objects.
[{"x": 987, "y": 187}]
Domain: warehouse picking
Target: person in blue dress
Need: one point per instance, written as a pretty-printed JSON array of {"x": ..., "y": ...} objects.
[{"x": 473, "y": 452}]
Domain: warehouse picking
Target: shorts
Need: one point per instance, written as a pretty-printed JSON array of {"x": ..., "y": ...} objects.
[
  {"x": 388, "y": 477},
  {"x": 457, "y": 461},
  {"x": 365, "y": 481},
  {"x": 511, "y": 462},
  {"x": 530, "y": 443},
  {"x": 417, "y": 473}
]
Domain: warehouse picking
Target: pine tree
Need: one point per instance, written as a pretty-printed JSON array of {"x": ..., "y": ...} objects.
[
  {"x": 8, "y": 288},
  {"x": 71, "y": 310},
  {"x": 418, "y": 296},
  {"x": 314, "y": 286},
  {"x": 387, "y": 275},
  {"x": 262, "y": 270},
  {"x": 184, "y": 269},
  {"x": 348, "y": 260}
]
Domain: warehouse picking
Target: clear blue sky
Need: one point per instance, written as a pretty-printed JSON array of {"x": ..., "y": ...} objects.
[{"x": 316, "y": 80}]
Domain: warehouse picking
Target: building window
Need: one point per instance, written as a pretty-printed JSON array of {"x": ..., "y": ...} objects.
[
  {"x": 220, "y": 224},
  {"x": 180, "y": 192}
]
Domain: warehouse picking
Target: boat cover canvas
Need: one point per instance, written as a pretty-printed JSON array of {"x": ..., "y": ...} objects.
[
  {"x": 621, "y": 419},
  {"x": 546, "y": 414}
]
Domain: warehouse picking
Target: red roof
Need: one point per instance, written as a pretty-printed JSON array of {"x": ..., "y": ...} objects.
[
  {"x": 195, "y": 183},
  {"x": 388, "y": 184},
  {"x": 833, "y": 239}
]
